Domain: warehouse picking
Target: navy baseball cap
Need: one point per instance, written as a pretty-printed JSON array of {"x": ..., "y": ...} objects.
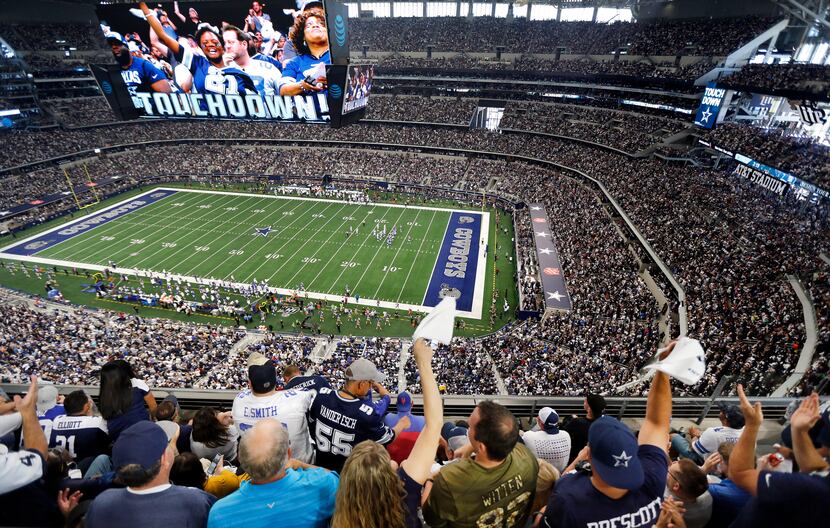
[
  {"x": 614, "y": 454},
  {"x": 142, "y": 443},
  {"x": 404, "y": 402},
  {"x": 112, "y": 36},
  {"x": 549, "y": 419},
  {"x": 262, "y": 372}
]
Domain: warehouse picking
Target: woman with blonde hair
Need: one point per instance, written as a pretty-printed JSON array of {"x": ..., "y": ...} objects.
[{"x": 373, "y": 492}]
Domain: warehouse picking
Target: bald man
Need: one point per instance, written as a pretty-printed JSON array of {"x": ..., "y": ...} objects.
[{"x": 280, "y": 488}]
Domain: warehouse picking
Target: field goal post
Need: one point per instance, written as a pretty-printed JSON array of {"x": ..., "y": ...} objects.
[{"x": 88, "y": 182}]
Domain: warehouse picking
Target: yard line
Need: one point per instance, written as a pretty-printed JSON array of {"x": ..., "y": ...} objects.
[
  {"x": 366, "y": 237},
  {"x": 252, "y": 239},
  {"x": 336, "y": 231},
  {"x": 403, "y": 286},
  {"x": 192, "y": 243},
  {"x": 157, "y": 235},
  {"x": 109, "y": 227},
  {"x": 414, "y": 221},
  {"x": 184, "y": 226},
  {"x": 366, "y": 269},
  {"x": 265, "y": 261},
  {"x": 123, "y": 230}
]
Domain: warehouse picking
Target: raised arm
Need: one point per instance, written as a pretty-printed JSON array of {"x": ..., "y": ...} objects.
[
  {"x": 420, "y": 460},
  {"x": 157, "y": 28},
  {"x": 742, "y": 461},
  {"x": 803, "y": 419},
  {"x": 178, "y": 13},
  {"x": 655, "y": 429},
  {"x": 33, "y": 436}
]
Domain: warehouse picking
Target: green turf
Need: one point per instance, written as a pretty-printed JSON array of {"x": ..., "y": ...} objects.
[
  {"x": 285, "y": 257},
  {"x": 213, "y": 236}
]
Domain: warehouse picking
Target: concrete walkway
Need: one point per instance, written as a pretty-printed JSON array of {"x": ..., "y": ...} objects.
[{"x": 809, "y": 348}]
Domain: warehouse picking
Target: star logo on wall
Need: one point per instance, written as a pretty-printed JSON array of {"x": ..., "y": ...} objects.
[
  {"x": 556, "y": 296},
  {"x": 705, "y": 115}
]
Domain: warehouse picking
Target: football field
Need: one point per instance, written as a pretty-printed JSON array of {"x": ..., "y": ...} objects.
[{"x": 312, "y": 246}]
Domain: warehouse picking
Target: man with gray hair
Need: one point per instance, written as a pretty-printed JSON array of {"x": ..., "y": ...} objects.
[{"x": 280, "y": 488}]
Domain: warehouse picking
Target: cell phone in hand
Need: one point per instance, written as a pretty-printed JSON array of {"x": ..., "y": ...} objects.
[{"x": 213, "y": 463}]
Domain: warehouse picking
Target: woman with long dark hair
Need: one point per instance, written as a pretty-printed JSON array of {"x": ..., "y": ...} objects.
[
  {"x": 372, "y": 493},
  {"x": 124, "y": 400},
  {"x": 213, "y": 434}
]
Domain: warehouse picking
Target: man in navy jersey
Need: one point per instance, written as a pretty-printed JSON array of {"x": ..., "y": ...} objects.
[
  {"x": 293, "y": 380},
  {"x": 78, "y": 431},
  {"x": 340, "y": 419},
  {"x": 209, "y": 72},
  {"x": 626, "y": 482},
  {"x": 139, "y": 75},
  {"x": 784, "y": 499}
]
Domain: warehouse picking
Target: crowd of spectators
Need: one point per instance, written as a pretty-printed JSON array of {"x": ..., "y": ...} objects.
[
  {"x": 703, "y": 37},
  {"x": 69, "y": 347},
  {"x": 817, "y": 284},
  {"x": 802, "y": 156},
  {"x": 729, "y": 246},
  {"x": 802, "y": 77},
  {"x": 31, "y": 37},
  {"x": 628, "y": 131},
  {"x": 542, "y": 65}
]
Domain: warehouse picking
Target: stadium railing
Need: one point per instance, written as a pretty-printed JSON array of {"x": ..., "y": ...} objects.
[{"x": 523, "y": 406}]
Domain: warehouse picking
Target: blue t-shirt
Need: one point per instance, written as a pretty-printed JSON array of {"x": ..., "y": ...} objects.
[
  {"x": 727, "y": 501},
  {"x": 207, "y": 78},
  {"x": 416, "y": 425},
  {"x": 295, "y": 68},
  {"x": 141, "y": 75},
  {"x": 175, "y": 506},
  {"x": 136, "y": 413},
  {"x": 788, "y": 499},
  {"x": 303, "y": 498},
  {"x": 575, "y": 502}
]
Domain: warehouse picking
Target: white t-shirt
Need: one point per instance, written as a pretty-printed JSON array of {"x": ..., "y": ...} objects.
[
  {"x": 18, "y": 468},
  {"x": 713, "y": 437},
  {"x": 288, "y": 407},
  {"x": 555, "y": 448}
]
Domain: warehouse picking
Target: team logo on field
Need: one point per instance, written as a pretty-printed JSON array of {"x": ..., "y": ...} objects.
[
  {"x": 466, "y": 220},
  {"x": 262, "y": 231},
  {"x": 158, "y": 195},
  {"x": 539, "y": 220},
  {"x": 446, "y": 291},
  {"x": 37, "y": 244}
]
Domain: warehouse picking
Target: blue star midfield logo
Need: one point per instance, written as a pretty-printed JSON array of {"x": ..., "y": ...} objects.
[{"x": 262, "y": 231}]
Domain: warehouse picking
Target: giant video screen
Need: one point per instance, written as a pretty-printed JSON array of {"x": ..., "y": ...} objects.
[
  {"x": 359, "y": 81},
  {"x": 220, "y": 60}
]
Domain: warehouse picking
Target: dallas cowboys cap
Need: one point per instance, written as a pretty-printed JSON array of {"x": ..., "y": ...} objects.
[
  {"x": 614, "y": 454},
  {"x": 549, "y": 419},
  {"x": 362, "y": 369},
  {"x": 262, "y": 372},
  {"x": 113, "y": 36}
]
